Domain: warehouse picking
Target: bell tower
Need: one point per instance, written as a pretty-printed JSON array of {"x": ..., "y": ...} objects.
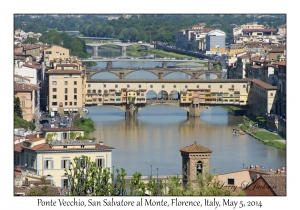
[{"x": 195, "y": 160}]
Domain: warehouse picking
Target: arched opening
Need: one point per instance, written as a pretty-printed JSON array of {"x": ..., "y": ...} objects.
[
  {"x": 177, "y": 75},
  {"x": 151, "y": 95},
  {"x": 104, "y": 75},
  {"x": 174, "y": 95},
  {"x": 208, "y": 76},
  {"x": 163, "y": 95},
  {"x": 199, "y": 168},
  {"x": 141, "y": 74}
]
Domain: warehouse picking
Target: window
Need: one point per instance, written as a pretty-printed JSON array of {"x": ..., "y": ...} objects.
[
  {"x": 99, "y": 91},
  {"x": 54, "y": 89},
  {"x": 32, "y": 162},
  {"x": 89, "y": 85},
  {"x": 48, "y": 52},
  {"x": 75, "y": 82},
  {"x": 65, "y": 183},
  {"x": 75, "y": 103},
  {"x": 244, "y": 86},
  {"x": 48, "y": 164},
  {"x": 66, "y": 97},
  {"x": 89, "y": 91},
  {"x": 66, "y": 103},
  {"x": 232, "y": 86},
  {"x": 82, "y": 146},
  {"x": 271, "y": 94},
  {"x": 54, "y": 103},
  {"x": 116, "y": 86},
  {"x": 66, "y": 82},
  {"x": 230, "y": 182},
  {"x": 54, "y": 83},
  {"x": 185, "y": 86},
  {"x": 75, "y": 97},
  {"x": 140, "y": 86},
  {"x": 151, "y": 86},
  {"x": 54, "y": 96},
  {"x": 70, "y": 103},
  {"x": 197, "y": 86},
  {"x": 23, "y": 104},
  {"x": 66, "y": 76},
  {"x": 66, "y": 90},
  {"x": 221, "y": 86},
  {"x": 128, "y": 86},
  {"x": 209, "y": 86},
  {"x": 75, "y": 90},
  {"x": 94, "y": 91},
  {"x": 174, "y": 86},
  {"x": 100, "y": 162},
  {"x": 162, "y": 86},
  {"x": 104, "y": 85},
  {"x": 65, "y": 164}
]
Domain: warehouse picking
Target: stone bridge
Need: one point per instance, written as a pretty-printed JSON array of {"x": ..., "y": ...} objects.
[
  {"x": 159, "y": 72},
  {"x": 131, "y": 110},
  {"x": 122, "y": 46}
]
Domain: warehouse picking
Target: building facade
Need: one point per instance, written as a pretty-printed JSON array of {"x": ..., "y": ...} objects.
[{"x": 215, "y": 41}]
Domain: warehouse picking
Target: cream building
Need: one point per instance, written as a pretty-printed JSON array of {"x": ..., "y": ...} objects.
[
  {"x": 56, "y": 52},
  {"x": 51, "y": 158},
  {"x": 65, "y": 90}
]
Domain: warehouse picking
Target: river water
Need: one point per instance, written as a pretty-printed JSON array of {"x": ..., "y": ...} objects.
[{"x": 156, "y": 135}]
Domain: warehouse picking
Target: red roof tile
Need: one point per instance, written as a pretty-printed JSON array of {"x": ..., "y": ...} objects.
[
  {"x": 21, "y": 87},
  {"x": 264, "y": 84},
  {"x": 195, "y": 148},
  {"x": 57, "y": 71},
  {"x": 259, "y": 30},
  {"x": 281, "y": 63}
]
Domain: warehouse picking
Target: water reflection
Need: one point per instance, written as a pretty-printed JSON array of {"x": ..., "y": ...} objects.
[{"x": 156, "y": 136}]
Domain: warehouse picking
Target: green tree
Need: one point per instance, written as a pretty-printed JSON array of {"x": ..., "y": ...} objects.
[
  {"x": 17, "y": 107},
  {"x": 30, "y": 40},
  {"x": 137, "y": 187}
]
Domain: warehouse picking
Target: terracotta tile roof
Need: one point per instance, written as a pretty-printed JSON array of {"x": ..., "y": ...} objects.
[
  {"x": 244, "y": 56},
  {"x": 277, "y": 183},
  {"x": 62, "y": 129},
  {"x": 52, "y": 191},
  {"x": 24, "y": 87},
  {"x": 195, "y": 148},
  {"x": 32, "y": 65},
  {"x": 281, "y": 63},
  {"x": 282, "y": 26},
  {"x": 57, "y": 71},
  {"x": 35, "y": 139},
  {"x": 264, "y": 85},
  {"x": 278, "y": 50},
  {"x": 18, "y": 147},
  {"x": 66, "y": 65}
]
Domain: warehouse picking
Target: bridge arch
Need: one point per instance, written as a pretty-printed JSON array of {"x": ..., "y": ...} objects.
[
  {"x": 176, "y": 71},
  {"x": 207, "y": 76},
  {"x": 110, "y": 75},
  {"x": 150, "y": 74}
]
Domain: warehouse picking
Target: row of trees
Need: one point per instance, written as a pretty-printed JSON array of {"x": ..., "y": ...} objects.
[
  {"x": 146, "y": 28},
  {"x": 85, "y": 178},
  {"x": 19, "y": 122}
]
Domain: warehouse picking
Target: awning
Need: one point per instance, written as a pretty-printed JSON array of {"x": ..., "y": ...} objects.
[
  {"x": 66, "y": 110},
  {"x": 75, "y": 110},
  {"x": 54, "y": 109},
  {"x": 70, "y": 109}
]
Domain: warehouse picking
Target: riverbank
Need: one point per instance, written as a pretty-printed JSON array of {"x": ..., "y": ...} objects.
[
  {"x": 261, "y": 134},
  {"x": 87, "y": 124}
]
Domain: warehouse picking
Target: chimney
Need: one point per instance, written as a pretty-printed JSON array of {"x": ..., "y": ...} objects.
[
  {"x": 257, "y": 176},
  {"x": 278, "y": 171},
  {"x": 271, "y": 170},
  {"x": 257, "y": 167},
  {"x": 251, "y": 167},
  {"x": 101, "y": 142}
]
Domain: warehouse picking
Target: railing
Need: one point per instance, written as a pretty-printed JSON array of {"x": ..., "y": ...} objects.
[{"x": 72, "y": 142}]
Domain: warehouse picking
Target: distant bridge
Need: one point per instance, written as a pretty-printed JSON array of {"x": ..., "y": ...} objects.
[
  {"x": 122, "y": 46},
  {"x": 159, "y": 72}
]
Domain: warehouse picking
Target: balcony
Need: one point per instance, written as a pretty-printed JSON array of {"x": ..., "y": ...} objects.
[{"x": 72, "y": 142}]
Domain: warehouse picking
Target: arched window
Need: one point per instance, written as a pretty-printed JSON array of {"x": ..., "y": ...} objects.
[
  {"x": 199, "y": 168},
  {"x": 89, "y": 91}
]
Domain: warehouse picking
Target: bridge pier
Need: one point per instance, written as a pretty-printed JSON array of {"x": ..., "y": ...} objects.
[
  {"x": 164, "y": 65},
  {"x": 109, "y": 65},
  {"x": 123, "y": 51},
  {"x": 131, "y": 110},
  {"x": 195, "y": 110},
  {"x": 95, "y": 51},
  {"x": 121, "y": 75}
]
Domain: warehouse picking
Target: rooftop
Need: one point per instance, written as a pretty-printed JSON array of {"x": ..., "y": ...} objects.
[
  {"x": 195, "y": 148},
  {"x": 57, "y": 71},
  {"x": 22, "y": 87},
  {"x": 264, "y": 85}
]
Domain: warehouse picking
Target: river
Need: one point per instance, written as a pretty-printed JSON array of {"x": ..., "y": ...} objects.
[{"x": 156, "y": 135}]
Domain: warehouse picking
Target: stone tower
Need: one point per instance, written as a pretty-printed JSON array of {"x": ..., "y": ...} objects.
[{"x": 195, "y": 160}]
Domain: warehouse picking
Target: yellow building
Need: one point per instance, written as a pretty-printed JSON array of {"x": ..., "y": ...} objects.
[
  {"x": 51, "y": 158},
  {"x": 28, "y": 98},
  {"x": 65, "y": 90},
  {"x": 56, "y": 52}
]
